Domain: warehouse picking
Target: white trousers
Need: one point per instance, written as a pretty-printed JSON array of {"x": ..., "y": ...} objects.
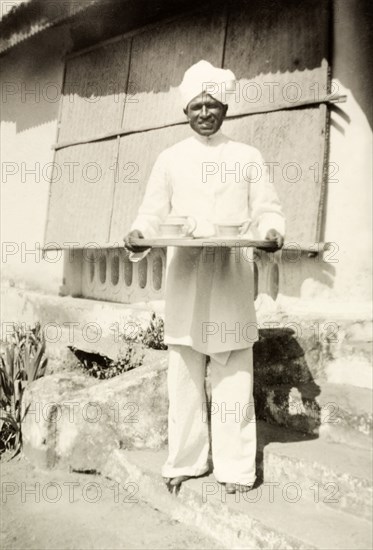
[{"x": 233, "y": 426}]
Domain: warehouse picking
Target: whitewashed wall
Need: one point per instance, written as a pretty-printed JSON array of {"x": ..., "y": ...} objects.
[
  {"x": 349, "y": 207},
  {"x": 31, "y": 79}
]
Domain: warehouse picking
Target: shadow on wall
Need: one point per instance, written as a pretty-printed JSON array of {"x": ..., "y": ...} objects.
[
  {"x": 42, "y": 54},
  {"x": 285, "y": 390},
  {"x": 32, "y": 70},
  {"x": 22, "y": 18},
  {"x": 219, "y": 30},
  {"x": 31, "y": 79}
]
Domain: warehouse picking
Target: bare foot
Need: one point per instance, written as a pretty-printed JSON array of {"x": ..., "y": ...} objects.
[
  {"x": 244, "y": 488},
  {"x": 179, "y": 480},
  {"x": 174, "y": 483},
  {"x": 232, "y": 488}
]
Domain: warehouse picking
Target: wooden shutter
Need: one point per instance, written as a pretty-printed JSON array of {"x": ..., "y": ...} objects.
[
  {"x": 94, "y": 92},
  {"x": 80, "y": 203},
  {"x": 278, "y": 48},
  {"x": 126, "y": 86},
  {"x": 278, "y": 52},
  {"x": 137, "y": 154},
  {"x": 293, "y": 146},
  {"x": 158, "y": 62},
  {"x": 82, "y": 189}
]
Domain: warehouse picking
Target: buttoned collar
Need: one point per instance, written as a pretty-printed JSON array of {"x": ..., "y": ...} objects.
[{"x": 213, "y": 140}]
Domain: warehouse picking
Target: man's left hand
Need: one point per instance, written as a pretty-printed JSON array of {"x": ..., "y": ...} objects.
[{"x": 274, "y": 235}]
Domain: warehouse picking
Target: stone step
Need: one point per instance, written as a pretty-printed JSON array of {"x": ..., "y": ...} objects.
[
  {"x": 335, "y": 412},
  {"x": 340, "y": 475},
  {"x": 354, "y": 349},
  {"x": 74, "y": 421},
  {"x": 258, "y": 519}
]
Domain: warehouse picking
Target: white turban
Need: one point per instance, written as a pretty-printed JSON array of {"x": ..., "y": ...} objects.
[{"x": 204, "y": 77}]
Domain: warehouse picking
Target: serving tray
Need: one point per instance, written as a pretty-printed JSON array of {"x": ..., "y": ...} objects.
[{"x": 228, "y": 242}]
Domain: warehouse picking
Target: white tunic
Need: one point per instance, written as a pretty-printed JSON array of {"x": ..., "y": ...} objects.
[{"x": 210, "y": 292}]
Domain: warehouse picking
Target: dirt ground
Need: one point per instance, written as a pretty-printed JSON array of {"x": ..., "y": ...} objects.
[{"x": 72, "y": 511}]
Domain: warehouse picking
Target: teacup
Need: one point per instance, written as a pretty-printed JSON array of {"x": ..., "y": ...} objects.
[
  {"x": 177, "y": 227},
  {"x": 231, "y": 229}
]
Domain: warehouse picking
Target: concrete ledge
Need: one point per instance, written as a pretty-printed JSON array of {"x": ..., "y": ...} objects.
[
  {"x": 252, "y": 521},
  {"x": 333, "y": 346},
  {"x": 340, "y": 475}
]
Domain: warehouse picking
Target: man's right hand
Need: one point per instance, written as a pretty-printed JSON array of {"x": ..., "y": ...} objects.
[{"x": 135, "y": 234}]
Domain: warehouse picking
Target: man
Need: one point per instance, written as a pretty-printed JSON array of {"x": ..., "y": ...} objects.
[{"x": 210, "y": 292}]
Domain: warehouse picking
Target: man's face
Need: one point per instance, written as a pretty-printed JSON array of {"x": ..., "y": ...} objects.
[{"x": 205, "y": 114}]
